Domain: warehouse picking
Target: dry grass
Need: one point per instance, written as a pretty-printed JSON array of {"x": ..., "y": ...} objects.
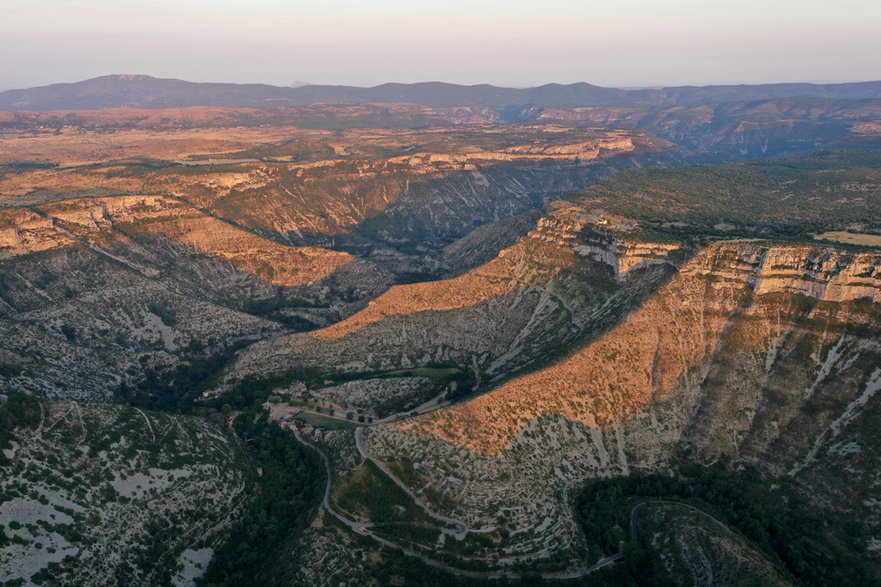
[{"x": 851, "y": 238}]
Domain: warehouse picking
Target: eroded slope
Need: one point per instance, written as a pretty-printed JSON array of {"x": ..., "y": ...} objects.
[
  {"x": 753, "y": 353},
  {"x": 94, "y": 494},
  {"x": 565, "y": 279}
]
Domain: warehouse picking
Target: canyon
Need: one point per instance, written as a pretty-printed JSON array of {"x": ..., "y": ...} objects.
[{"x": 460, "y": 313}]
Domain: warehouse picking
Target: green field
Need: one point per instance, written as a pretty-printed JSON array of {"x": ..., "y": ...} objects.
[
  {"x": 851, "y": 238},
  {"x": 369, "y": 494}
]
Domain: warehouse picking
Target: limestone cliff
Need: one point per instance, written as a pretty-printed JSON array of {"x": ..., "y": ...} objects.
[
  {"x": 753, "y": 353},
  {"x": 650, "y": 353},
  {"x": 100, "y": 220},
  {"x": 535, "y": 297}
]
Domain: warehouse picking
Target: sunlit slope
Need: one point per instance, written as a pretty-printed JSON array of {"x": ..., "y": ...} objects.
[
  {"x": 654, "y": 350},
  {"x": 567, "y": 278},
  {"x": 759, "y": 354}
]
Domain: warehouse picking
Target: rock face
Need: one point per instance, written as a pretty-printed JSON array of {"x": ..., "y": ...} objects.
[
  {"x": 760, "y": 354},
  {"x": 98, "y": 221},
  {"x": 653, "y": 350},
  {"x": 536, "y": 295},
  {"x": 624, "y": 255},
  {"x": 250, "y": 249}
]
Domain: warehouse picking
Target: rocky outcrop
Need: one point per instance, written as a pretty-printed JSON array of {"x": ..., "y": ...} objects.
[
  {"x": 753, "y": 353},
  {"x": 649, "y": 354},
  {"x": 622, "y": 255},
  {"x": 531, "y": 300},
  {"x": 100, "y": 220},
  {"x": 826, "y": 275},
  {"x": 23, "y": 231}
]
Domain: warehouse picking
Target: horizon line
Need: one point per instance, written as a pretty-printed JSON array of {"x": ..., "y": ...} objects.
[{"x": 302, "y": 84}]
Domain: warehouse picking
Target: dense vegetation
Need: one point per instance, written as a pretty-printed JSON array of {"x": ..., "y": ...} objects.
[
  {"x": 778, "y": 198},
  {"x": 290, "y": 483},
  {"x": 18, "y": 411},
  {"x": 399, "y": 569},
  {"x": 791, "y": 535},
  {"x": 174, "y": 390}
]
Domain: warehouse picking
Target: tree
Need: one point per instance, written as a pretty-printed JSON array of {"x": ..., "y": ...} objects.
[
  {"x": 637, "y": 558},
  {"x": 614, "y": 536}
]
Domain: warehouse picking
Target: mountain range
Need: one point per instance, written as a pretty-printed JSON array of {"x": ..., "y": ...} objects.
[{"x": 143, "y": 91}]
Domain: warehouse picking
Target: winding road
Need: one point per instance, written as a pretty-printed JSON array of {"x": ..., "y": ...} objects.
[
  {"x": 364, "y": 530},
  {"x": 461, "y": 528}
]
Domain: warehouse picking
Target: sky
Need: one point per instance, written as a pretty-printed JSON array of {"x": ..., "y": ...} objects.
[{"x": 622, "y": 43}]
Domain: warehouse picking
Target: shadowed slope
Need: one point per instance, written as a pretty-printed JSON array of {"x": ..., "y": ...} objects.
[{"x": 539, "y": 256}]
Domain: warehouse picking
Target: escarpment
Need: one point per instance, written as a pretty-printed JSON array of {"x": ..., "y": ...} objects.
[
  {"x": 736, "y": 359},
  {"x": 417, "y": 190},
  {"x": 656, "y": 349},
  {"x": 101, "y": 220},
  {"x": 535, "y": 296},
  {"x": 621, "y": 254}
]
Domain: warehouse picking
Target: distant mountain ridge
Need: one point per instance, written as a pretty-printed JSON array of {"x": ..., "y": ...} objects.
[{"x": 142, "y": 91}]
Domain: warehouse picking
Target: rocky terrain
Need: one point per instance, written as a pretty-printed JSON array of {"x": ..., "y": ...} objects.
[
  {"x": 488, "y": 335},
  {"x": 139, "y": 269},
  {"x": 740, "y": 357},
  {"x": 103, "y": 494},
  {"x": 553, "y": 287}
]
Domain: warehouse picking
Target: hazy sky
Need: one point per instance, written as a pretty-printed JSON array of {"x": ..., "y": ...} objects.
[{"x": 504, "y": 42}]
